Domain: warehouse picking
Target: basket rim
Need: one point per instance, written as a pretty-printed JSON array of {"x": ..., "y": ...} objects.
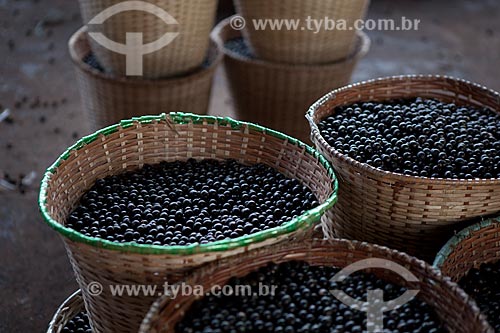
[
  {"x": 81, "y": 33},
  {"x": 375, "y": 172},
  {"x": 462, "y": 235},
  {"x": 63, "y": 307},
  {"x": 353, "y": 245},
  {"x": 302, "y": 221},
  {"x": 363, "y": 45}
]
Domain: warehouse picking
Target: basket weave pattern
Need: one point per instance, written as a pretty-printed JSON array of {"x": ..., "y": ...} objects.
[
  {"x": 150, "y": 140},
  {"x": 473, "y": 246},
  {"x": 187, "y": 51},
  {"x": 107, "y": 100},
  {"x": 301, "y": 46},
  {"x": 455, "y": 309},
  {"x": 72, "y": 306},
  {"x": 412, "y": 214},
  {"x": 276, "y": 95}
]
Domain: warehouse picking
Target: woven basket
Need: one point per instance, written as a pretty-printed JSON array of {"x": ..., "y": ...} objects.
[
  {"x": 149, "y": 140},
  {"x": 409, "y": 213},
  {"x": 277, "y": 95},
  {"x": 455, "y": 309},
  {"x": 471, "y": 247},
  {"x": 107, "y": 99},
  {"x": 185, "y": 53},
  {"x": 301, "y": 46},
  {"x": 72, "y": 306}
]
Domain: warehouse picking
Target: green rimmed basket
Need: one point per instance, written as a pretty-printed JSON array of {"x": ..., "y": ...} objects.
[
  {"x": 471, "y": 247},
  {"x": 150, "y": 140}
]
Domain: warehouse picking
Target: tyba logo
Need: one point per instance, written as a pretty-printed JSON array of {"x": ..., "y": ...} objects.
[
  {"x": 374, "y": 305},
  {"x": 133, "y": 49}
]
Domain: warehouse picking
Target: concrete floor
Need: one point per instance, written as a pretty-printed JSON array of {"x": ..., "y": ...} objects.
[{"x": 459, "y": 38}]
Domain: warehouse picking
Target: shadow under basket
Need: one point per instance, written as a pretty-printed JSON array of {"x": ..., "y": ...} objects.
[
  {"x": 456, "y": 310},
  {"x": 475, "y": 245},
  {"x": 150, "y": 140},
  {"x": 302, "y": 46},
  {"x": 72, "y": 306},
  {"x": 193, "y": 19},
  {"x": 107, "y": 99},
  {"x": 409, "y": 213},
  {"x": 278, "y": 95}
]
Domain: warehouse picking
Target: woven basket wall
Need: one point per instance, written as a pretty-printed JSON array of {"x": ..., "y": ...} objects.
[
  {"x": 301, "y": 46},
  {"x": 455, "y": 309},
  {"x": 277, "y": 95},
  {"x": 184, "y": 54},
  {"x": 107, "y": 100},
  {"x": 72, "y": 306},
  {"x": 471, "y": 247},
  {"x": 412, "y": 214},
  {"x": 150, "y": 140}
]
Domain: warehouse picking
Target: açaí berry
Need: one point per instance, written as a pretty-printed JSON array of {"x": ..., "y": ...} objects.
[
  {"x": 302, "y": 303},
  {"x": 483, "y": 285},
  {"x": 181, "y": 203},
  {"x": 78, "y": 324},
  {"x": 418, "y": 137}
]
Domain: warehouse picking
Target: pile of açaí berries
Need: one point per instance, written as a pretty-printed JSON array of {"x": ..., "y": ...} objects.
[
  {"x": 182, "y": 203},
  {"x": 418, "y": 137},
  {"x": 302, "y": 302},
  {"x": 483, "y": 285},
  {"x": 78, "y": 324}
]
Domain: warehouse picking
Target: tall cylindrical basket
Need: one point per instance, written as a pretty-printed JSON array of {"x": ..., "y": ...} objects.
[
  {"x": 189, "y": 22},
  {"x": 108, "y": 99},
  {"x": 278, "y": 95},
  {"x": 312, "y": 32}
]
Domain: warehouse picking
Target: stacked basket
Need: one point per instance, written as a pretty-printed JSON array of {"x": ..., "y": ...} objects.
[
  {"x": 274, "y": 75},
  {"x": 409, "y": 213},
  {"x": 169, "y": 63},
  {"x": 150, "y": 140}
]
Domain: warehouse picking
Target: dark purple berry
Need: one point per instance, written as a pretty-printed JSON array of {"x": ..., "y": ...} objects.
[
  {"x": 418, "y": 137},
  {"x": 182, "y": 203}
]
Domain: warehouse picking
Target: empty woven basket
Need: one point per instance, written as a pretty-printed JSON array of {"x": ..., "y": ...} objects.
[
  {"x": 150, "y": 140},
  {"x": 456, "y": 310},
  {"x": 413, "y": 214},
  {"x": 108, "y": 99},
  {"x": 191, "y": 19},
  {"x": 277, "y": 95},
  {"x": 307, "y": 43}
]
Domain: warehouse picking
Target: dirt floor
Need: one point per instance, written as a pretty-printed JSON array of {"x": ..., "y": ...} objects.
[{"x": 459, "y": 38}]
